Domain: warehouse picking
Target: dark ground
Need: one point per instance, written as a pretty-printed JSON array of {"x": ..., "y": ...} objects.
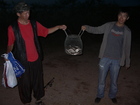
[{"x": 76, "y": 76}]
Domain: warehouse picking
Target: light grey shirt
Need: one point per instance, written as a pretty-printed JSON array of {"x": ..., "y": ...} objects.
[{"x": 105, "y": 29}]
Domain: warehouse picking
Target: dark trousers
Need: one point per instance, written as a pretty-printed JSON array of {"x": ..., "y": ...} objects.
[{"x": 31, "y": 81}]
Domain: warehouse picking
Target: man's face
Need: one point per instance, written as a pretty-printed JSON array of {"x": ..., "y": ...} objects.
[
  {"x": 24, "y": 15},
  {"x": 122, "y": 17}
]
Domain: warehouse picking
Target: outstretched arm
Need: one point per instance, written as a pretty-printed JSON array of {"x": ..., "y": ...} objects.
[
  {"x": 53, "y": 29},
  {"x": 94, "y": 30}
]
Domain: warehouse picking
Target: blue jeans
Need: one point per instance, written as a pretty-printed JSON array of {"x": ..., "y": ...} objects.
[{"x": 106, "y": 65}]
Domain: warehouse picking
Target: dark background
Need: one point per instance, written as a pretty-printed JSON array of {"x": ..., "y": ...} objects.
[
  {"x": 71, "y": 13},
  {"x": 75, "y": 76}
]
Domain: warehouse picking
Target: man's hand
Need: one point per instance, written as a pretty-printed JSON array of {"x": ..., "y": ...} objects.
[
  {"x": 83, "y": 28},
  {"x": 63, "y": 27}
]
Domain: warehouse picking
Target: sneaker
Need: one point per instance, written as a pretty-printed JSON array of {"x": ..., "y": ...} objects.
[
  {"x": 97, "y": 100},
  {"x": 114, "y": 100}
]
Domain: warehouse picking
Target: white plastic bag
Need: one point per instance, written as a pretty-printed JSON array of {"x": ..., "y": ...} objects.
[{"x": 9, "y": 78}]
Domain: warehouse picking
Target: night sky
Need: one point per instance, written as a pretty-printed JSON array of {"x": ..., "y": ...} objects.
[
  {"x": 118, "y": 2},
  {"x": 124, "y": 2}
]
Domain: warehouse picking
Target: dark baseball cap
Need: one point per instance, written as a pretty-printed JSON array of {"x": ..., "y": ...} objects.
[{"x": 21, "y": 7}]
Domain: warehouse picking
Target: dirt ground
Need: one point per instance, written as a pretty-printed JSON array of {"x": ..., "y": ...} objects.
[{"x": 76, "y": 77}]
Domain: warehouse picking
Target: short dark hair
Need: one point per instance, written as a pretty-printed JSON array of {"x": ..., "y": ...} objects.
[
  {"x": 21, "y": 7},
  {"x": 125, "y": 10}
]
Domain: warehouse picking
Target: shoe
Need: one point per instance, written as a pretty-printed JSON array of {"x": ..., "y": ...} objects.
[
  {"x": 39, "y": 102},
  {"x": 114, "y": 100},
  {"x": 97, "y": 100}
]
